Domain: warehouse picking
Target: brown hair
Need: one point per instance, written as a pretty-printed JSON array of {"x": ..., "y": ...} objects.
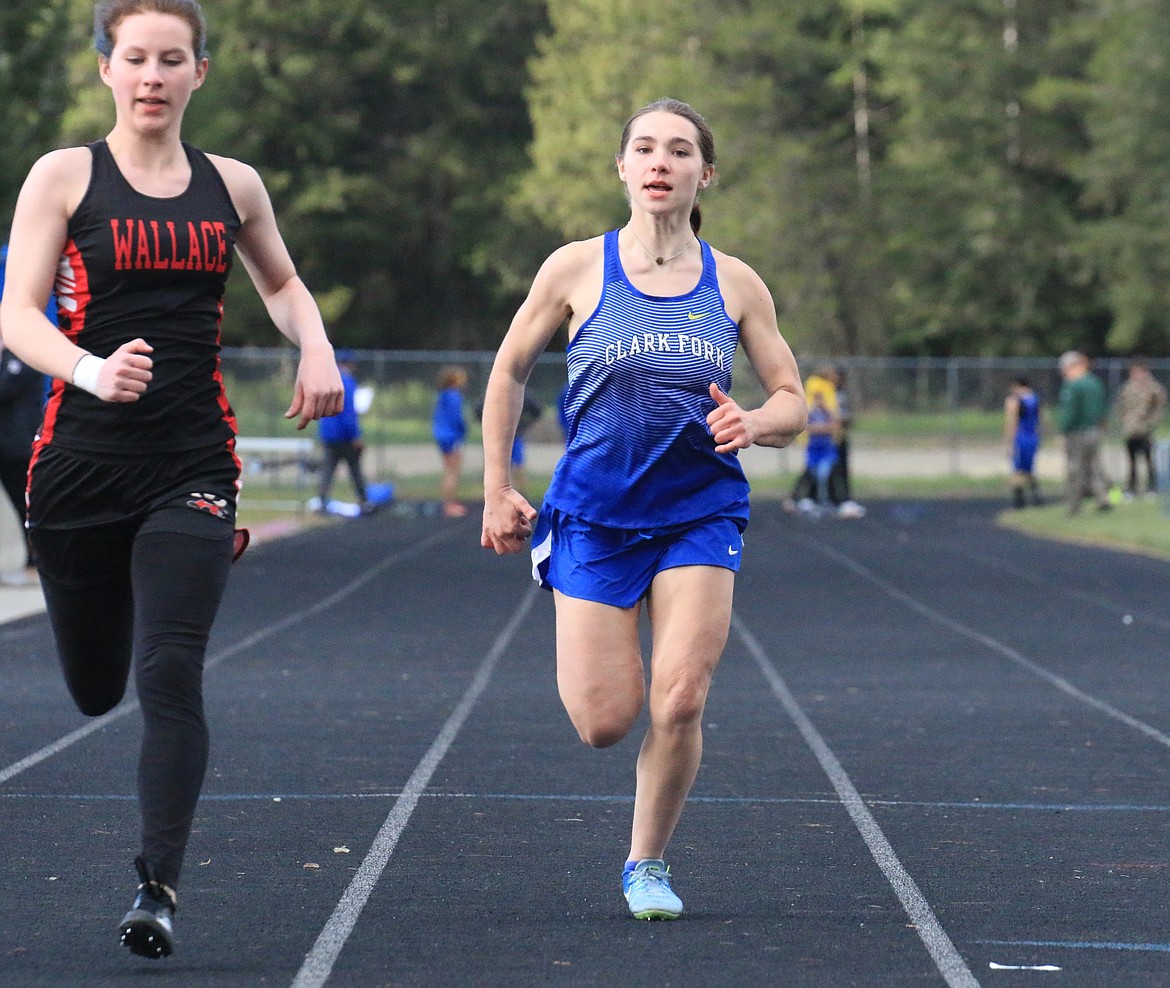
[
  {"x": 687, "y": 112},
  {"x": 452, "y": 376},
  {"x": 108, "y": 14}
]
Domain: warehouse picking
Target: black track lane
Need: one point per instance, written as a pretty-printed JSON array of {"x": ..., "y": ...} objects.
[{"x": 922, "y": 642}]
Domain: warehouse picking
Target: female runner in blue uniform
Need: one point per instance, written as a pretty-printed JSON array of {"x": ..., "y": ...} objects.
[
  {"x": 649, "y": 502},
  {"x": 132, "y": 488}
]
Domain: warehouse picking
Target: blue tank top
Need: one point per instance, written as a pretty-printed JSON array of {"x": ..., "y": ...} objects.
[
  {"x": 820, "y": 444},
  {"x": 638, "y": 451},
  {"x": 1028, "y": 422}
]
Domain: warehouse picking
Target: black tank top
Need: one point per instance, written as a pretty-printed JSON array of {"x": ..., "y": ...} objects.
[{"x": 139, "y": 266}]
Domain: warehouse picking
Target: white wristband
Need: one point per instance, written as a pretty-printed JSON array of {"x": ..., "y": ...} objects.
[{"x": 86, "y": 371}]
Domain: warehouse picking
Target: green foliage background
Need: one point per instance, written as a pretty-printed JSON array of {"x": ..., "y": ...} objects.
[{"x": 974, "y": 177}]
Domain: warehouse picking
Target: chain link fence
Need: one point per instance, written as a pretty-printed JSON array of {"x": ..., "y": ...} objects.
[{"x": 912, "y": 418}]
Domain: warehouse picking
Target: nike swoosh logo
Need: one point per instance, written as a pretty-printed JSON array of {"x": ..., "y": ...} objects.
[
  {"x": 732, "y": 552},
  {"x": 692, "y": 316}
]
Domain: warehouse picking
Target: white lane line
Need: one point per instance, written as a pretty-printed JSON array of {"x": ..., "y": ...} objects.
[
  {"x": 1054, "y": 586},
  {"x": 946, "y": 957},
  {"x": 994, "y": 645},
  {"x": 129, "y": 706},
  {"x": 320, "y": 960}
]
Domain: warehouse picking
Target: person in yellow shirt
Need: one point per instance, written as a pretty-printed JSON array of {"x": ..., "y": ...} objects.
[
  {"x": 820, "y": 390},
  {"x": 820, "y": 387}
]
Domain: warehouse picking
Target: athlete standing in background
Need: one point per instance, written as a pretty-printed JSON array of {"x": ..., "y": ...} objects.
[
  {"x": 449, "y": 427},
  {"x": 1021, "y": 427},
  {"x": 132, "y": 488},
  {"x": 649, "y": 502}
]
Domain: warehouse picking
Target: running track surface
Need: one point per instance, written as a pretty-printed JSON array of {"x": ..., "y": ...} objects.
[{"x": 937, "y": 753}]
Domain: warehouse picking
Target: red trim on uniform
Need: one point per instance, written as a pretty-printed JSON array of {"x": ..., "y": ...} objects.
[
  {"x": 225, "y": 406},
  {"x": 73, "y": 290},
  {"x": 73, "y": 298},
  {"x": 33, "y": 457}
]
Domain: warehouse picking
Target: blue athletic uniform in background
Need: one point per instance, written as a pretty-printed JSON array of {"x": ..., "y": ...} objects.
[
  {"x": 821, "y": 453},
  {"x": 1027, "y": 439},
  {"x": 448, "y": 423},
  {"x": 340, "y": 436}
]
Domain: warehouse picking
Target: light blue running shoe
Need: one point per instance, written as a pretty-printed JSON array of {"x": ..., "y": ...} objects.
[{"x": 647, "y": 890}]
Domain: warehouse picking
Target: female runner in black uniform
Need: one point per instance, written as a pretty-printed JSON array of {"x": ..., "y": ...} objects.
[{"x": 132, "y": 486}]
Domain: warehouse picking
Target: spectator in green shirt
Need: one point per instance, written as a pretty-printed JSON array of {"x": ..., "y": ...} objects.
[{"x": 1083, "y": 408}]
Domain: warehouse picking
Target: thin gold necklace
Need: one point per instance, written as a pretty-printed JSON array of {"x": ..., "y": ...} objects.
[{"x": 658, "y": 258}]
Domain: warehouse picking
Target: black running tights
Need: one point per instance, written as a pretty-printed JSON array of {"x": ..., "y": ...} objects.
[{"x": 149, "y": 588}]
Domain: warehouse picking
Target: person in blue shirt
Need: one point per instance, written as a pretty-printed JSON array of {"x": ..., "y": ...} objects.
[
  {"x": 341, "y": 441},
  {"x": 1022, "y": 433},
  {"x": 648, "y": 504},
  {"x": 824, "y": 483},
  {"x": 449, "y": 427},
  {"x": 820, "y": 457}
]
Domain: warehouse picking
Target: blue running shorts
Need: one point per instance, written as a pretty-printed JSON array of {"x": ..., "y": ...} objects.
[
  {"x": 617, "y": 565},
  {"x": 1024, "y": 453}
]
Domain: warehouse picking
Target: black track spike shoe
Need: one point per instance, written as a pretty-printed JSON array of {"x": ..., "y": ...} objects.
[{"x": 148, "y": 929}]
